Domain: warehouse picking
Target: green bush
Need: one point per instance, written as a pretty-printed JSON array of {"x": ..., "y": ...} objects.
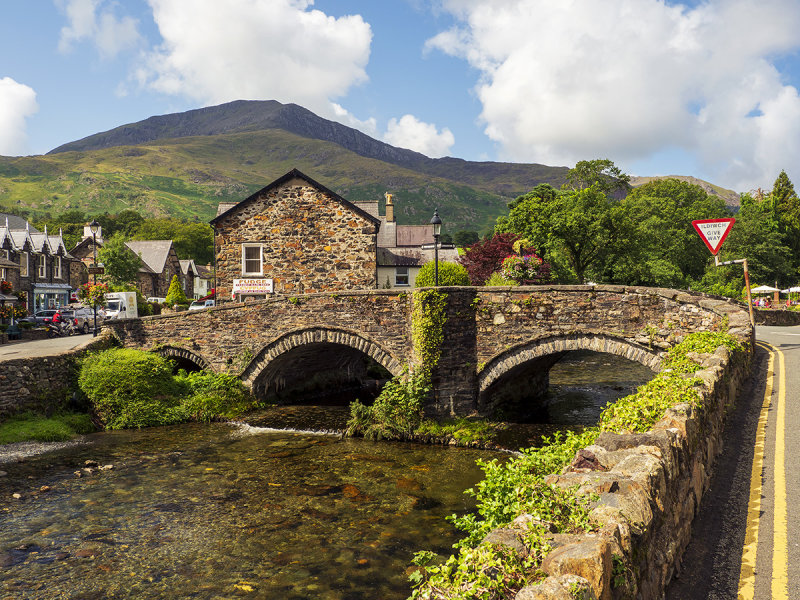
[
  {"x": 396, "y": 412},
  {"x": 175, "y": 293},
  {"x": 497, "y": 279},
  {"x": 449, "y": 274},
  {"x": 214, "y": 395},
  {"x": 132, "y": 388}
]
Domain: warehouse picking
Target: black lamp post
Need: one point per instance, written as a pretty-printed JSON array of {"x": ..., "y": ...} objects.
[
  {"x": 437, "y": 230},
  {"x": 93, "y": 227}
]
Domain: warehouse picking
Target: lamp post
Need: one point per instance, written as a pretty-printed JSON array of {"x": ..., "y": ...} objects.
[
  {"x": 93, "y": 227},
  {"x": 437, "y": 230}
]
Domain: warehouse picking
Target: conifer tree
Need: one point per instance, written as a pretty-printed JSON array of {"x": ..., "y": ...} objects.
[{"x": 175, "y": 293}]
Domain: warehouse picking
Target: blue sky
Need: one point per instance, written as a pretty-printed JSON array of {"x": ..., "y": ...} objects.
[{"x": 698, "y": 88}]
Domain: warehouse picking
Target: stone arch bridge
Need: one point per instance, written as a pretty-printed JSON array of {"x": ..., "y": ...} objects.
[{"x": 498, "y": 342}]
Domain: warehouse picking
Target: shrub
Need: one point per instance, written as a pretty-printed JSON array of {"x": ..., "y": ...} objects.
[
  {"x": 214, "y": 395},
  {"x": 58, "y": 428},
  {"x": 498, "y": 280},
  {"x": 396, "y": 412},
  {"x": 175, "y": 293},
  {"x": 449, "y": 274},
  {"x": 131, "y": 388}
]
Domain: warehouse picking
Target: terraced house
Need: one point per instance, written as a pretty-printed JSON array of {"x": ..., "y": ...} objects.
[{"x": 42, "y": 267}]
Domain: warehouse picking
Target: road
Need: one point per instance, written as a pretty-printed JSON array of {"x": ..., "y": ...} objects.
[
  {"x": 48, "y": 347},
  {"x": 746, "y": 539}
]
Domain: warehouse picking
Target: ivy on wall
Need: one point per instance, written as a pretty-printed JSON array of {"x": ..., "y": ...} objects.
[{"x": 428, "y": 317}]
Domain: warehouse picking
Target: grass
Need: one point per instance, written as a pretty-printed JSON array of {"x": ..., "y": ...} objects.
[{"x": 28, "y": 426}]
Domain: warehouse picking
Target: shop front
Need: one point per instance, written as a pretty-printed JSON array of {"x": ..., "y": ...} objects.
[{"x": 50, "y": 295}]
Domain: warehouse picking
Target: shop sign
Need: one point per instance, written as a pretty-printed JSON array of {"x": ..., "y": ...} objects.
[{"x": 247, "y": 287}]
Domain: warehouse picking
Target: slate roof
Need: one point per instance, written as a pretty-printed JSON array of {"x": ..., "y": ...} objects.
[
  {"x": 414, "y": 235},
  {"x": 413, "y": 257},
  {"x": 15, "y": 222},
  {"x": 188, "y": 264},
  {"x": 294, "y": 173},
  {"x": 154, "y": 253}
]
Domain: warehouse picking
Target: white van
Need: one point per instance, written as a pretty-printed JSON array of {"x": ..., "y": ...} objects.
[{"x": 121, "y": 305}]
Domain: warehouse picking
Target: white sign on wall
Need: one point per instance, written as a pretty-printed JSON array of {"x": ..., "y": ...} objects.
[{"x": 249, "y": 287}]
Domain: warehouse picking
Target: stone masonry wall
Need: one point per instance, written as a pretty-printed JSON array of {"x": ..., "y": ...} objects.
[
  {"x": 649, "y": 487},
  {"x": 311, "y": 242},
  {"x": 40, "y": 383}
]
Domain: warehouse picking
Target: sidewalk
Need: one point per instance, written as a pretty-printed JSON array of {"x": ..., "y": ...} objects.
[{"x": 49, "y": 347}]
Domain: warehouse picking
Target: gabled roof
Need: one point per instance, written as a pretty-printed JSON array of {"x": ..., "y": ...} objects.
[
  {"x": 154, "y": 253},
  {"x": 414, "y": 235},
  {"x": 41, "y": 243},
  {"x": 294, "y": 173},
  {"x": 414, "y": 257},
  {"x": 85, "y": 242},
  {"x": 188, "y": 265},
  {"x": 15, "y": 222}
]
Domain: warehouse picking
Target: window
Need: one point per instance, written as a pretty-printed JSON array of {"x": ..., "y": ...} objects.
[
  {"x": 4, "y": 254},
  {"x": 4, "y": 274},
  {"x": 23, "y": 264},
  {"x": 251, "y": 259},
  {"x": 42, "y": 273},
  {"x": 401, "y": 276},
  {"x": 57, "y": 267}
]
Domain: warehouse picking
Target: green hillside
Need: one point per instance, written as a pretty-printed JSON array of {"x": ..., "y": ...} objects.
[{"x": 188, "y": 177}]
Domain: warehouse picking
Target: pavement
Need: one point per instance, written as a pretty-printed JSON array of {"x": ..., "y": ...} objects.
[{"x": 48, "y": 347}]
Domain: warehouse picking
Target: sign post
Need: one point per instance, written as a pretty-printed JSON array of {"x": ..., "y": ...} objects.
[{"x": 713, "y": 232}]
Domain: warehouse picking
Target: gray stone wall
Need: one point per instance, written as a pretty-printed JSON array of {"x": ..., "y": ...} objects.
[
  {"x": 311, "y": 242},
  {"x": 649, "y": 486}
]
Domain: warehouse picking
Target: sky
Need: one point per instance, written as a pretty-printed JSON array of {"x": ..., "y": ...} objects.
[{"x": 660, "y": 87}]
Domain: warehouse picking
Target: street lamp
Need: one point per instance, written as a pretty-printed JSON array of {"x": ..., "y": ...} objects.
[
  {"x": 437, "y": 230},
  {"x": 94, "y": 226}
]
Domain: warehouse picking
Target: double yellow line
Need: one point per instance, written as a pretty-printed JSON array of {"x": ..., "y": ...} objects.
[{"x": 780, "y": 552}]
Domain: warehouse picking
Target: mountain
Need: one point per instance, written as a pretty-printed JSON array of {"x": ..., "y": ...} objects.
[{"x": 184, "y": 164}]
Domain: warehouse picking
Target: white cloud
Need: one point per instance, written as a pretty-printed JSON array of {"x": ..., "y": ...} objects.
[
  {"x": 17, "y": 102},
  {"x": 214, "y": 52},
  {"x": 581, "y": 79},
  {"x": 94, "y": 20},
  {"x": 409, "y": 132}
]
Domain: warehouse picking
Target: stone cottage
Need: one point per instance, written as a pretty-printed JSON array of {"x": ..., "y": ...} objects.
[{"x": 294, "y": 236}]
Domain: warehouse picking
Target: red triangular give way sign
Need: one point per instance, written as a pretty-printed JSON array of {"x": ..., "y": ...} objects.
[{"x": 713, "y": 232}]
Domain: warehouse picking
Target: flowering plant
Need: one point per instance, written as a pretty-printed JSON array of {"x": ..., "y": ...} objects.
[
  {"x": 5, "y": 286},
  {"x": 7, "y": 311},
  {"x": 526, "y": 269},
  {"x": 93, "y": 294}
]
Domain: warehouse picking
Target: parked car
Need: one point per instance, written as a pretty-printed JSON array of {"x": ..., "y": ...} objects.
[
  {"x": 198, "y": 304},
  {"x": 41, "y": 317}
]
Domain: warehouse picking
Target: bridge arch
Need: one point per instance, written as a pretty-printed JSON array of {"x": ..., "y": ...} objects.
[
  {"x": 184, "y": 357},
  {"x": 307, "y": 351},
  {"x": 535, "y": 358}
]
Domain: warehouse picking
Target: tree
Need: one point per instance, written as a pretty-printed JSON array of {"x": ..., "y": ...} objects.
[
  {"x": 125, "y": 222},
  {"x": 602, "y": 173},
  {"x": 190, "y": 239},
  {"x": 486, "y": 256},
  {"x": 786, "y": 208},
  {"x": 120, "y": 263},
  {"x": 465, "y": 238},
  {"x": 662, "y": 248},
  {"x": 449, "y": 274},
  {"x": 175, "y": 293}
]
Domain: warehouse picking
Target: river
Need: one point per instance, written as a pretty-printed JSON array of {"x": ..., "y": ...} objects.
[{"x": 223, "y": 510}]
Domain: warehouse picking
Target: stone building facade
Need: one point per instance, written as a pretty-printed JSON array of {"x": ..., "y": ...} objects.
[{"x": 294, "y": 236}]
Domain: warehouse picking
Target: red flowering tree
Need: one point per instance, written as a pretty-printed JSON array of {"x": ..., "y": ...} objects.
[
  {"x": 486, "y": 256},
  {"x": 93, "y": 294}
]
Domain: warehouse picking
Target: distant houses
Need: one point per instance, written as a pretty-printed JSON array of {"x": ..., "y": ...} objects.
[{"x": 36, "y": 263}]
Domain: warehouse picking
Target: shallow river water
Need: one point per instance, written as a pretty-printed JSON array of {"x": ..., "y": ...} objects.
[{"x": 226, "y": 511}]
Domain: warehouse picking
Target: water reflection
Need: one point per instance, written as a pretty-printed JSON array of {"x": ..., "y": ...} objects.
[{"x": 209, "y": 511}]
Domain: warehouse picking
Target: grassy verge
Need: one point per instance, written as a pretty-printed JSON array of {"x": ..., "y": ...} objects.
[{"x": 28, "y": 426}]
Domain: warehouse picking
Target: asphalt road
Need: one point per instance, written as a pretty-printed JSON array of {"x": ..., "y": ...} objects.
[
  {"x": 48, "y": 347},
  {"x": 746, "y": 537}
]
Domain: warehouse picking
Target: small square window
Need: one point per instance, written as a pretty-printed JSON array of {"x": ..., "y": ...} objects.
[
  {"x": 401, "y": 276},
  {"x": 251, "y": 259}
]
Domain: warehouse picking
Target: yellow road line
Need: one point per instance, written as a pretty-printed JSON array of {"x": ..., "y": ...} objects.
[
  {"x": 747, "y": 574},
  {"x": 780, "y": 544}
]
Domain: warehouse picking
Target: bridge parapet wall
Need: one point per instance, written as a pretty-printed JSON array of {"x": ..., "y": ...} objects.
[{"x": 230, "y": 337}]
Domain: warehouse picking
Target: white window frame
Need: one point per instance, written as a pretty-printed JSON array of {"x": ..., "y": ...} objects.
[
  {"x": 401, "y": 273},
  {"x": 24, "y": 264},
  {"x": 57, "y": 267},
  {"x": 4, "y": 274},
  {"x": 41, "y": 270},
  {"x": 245, "y": 260}
]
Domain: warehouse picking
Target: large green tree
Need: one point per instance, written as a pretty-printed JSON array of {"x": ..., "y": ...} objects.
[
  {"x": 602, "y": 173},
  {"x": 120, "y": 263},
  {"x": 786, "y": 207},
  {"x": 192, "y": 239},
  {"x": 664, "y": 249}
]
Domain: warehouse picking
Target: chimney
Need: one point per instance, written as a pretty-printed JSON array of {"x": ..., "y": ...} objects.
[{"x": 389, "y": 208}]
